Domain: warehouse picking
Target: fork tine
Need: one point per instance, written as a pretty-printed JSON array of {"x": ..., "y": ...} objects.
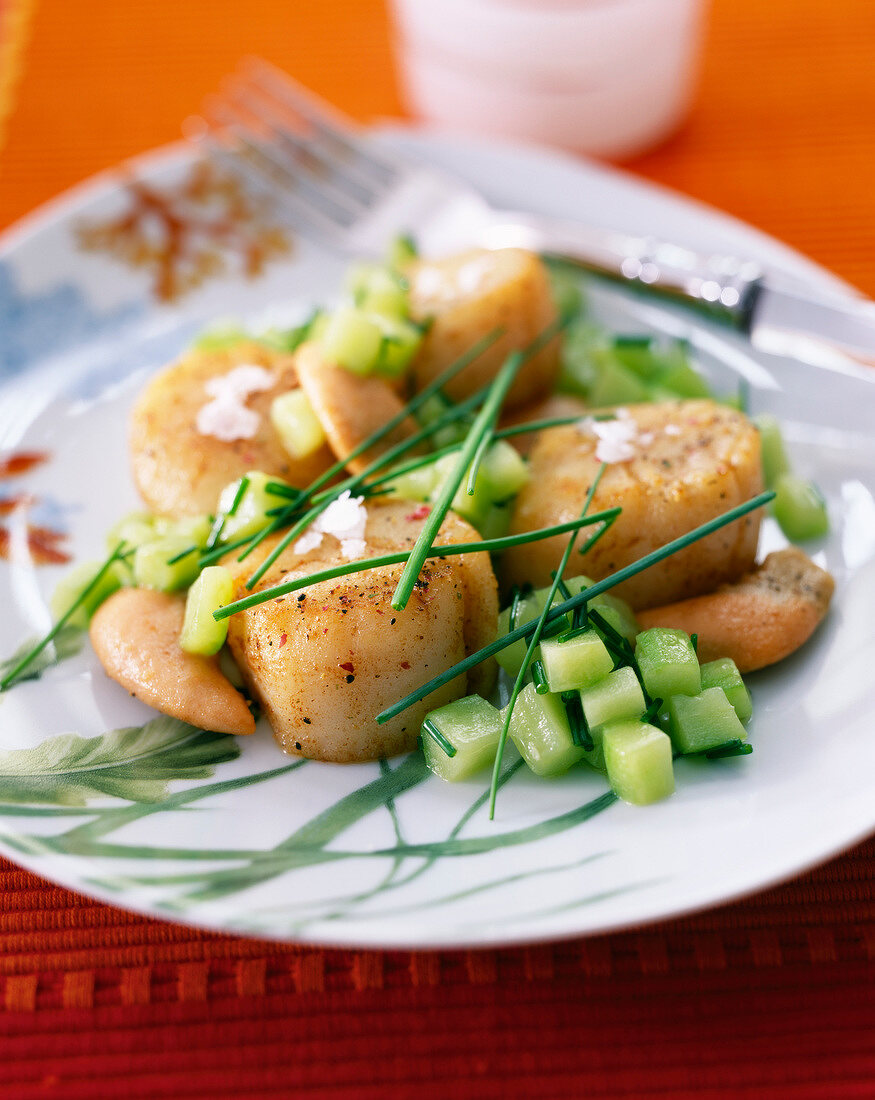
[
  {"x": 356, "y": 187},
  {"x": 274, "y": 162},
  {"x": 323, "y": 118}
]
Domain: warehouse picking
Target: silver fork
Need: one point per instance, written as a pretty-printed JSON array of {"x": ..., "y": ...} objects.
[{"x": 333, "y": 183}]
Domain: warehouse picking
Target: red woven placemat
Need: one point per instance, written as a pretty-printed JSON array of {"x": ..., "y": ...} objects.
[{"x": 767, "y": 998}]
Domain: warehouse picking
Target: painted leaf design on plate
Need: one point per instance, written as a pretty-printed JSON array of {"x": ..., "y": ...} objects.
[
  {"x": 67, "y": 643},
  {"x": 134, "y": 762}
]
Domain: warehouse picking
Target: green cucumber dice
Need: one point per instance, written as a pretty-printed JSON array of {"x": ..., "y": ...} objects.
[
  {"x": 539, "y": 728},
  {"x": 638, "y": 760},
  {"x": 723, "y": 673},
  {"x": 250, "y": 514},
  {"x": 473, "y": 727},
  {"x": 773, "y": 454},
  {"x": 297, "y": 425},
  {"x": 617, "y": 695},
  {"x": 799, "y": 508},
  {"x": 615, "y": 384},
  {"x": 70, "y": 588},
  {"x": 351, "y": 338},
  {"x": 504, "y": 471},
  {"x": 201, "y": 633},
  {"x": 667, "y": 662},
  {"x": 704, "y": 721},
  {"x": 576, "y": 663}
]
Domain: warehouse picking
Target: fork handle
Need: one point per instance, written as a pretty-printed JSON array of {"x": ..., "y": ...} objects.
[{"x": 725, "y": 286}]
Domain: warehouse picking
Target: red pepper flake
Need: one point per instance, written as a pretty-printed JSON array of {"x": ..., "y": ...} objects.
[
  {"x": 348, "y": 666},
  {"x": 405, "y": 664},
  {"x": 283, "y": 639},
  {"x": 421, "y": 512}
]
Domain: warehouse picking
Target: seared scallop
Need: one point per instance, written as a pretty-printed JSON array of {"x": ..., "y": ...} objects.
[
  {"x": 673, "y": 467},
  {"x": 179, "y": 470},
  {"x": 323, "y": 662},
  {"x": 466, "y": 297}
]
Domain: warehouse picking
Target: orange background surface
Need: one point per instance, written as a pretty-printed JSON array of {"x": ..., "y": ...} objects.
[{"x": 763, "y": 999}]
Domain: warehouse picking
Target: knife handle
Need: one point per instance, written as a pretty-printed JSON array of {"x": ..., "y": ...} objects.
[{"x": 724, "y": 286}]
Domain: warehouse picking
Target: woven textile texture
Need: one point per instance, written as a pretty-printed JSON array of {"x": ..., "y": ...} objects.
[{"x": 764, "y": 999}]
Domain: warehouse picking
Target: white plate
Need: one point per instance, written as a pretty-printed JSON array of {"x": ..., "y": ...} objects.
[{"x": 232, "y": 835}]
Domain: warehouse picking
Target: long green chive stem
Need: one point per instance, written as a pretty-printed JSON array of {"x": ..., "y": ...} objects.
[
  {"x": 483, "y": 423},
  {"x": 580, "y": 600},
  {"x": 278, "y": 489},
  {"x": 549, "y": 422},
  {"x": 17, "y": 669},
  {"x": 182, "y": 554},
  {"x": 489, "y": 546},
  {"x": 736, "y": 747},
  {"x": 412, "y": 405},
  {"x": 533, "y": 645},
  {"x": 503, "y": 381},
  {"x": 220, "y": 520},
  {"x": 414, "y": 464},
  {"x": 321, "y": 501},
  {"x": 540, "y": 678},
  {"x": 435, "y": 734}
]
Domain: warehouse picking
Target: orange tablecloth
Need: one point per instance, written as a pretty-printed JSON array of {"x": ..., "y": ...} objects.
[{"x": 771, "y": 997}]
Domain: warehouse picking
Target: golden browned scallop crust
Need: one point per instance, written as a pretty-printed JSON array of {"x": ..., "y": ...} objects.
[
  {"x": 324, "y": 662},
  {"x": 135, "y": 635},
  {"x": 180, "y": 472},
  {"x": 350, "y": 408},
  {"x": 693, "y": 460},
  {"x": 467, "y": 296},
  {"x": 760, "y": 619}
]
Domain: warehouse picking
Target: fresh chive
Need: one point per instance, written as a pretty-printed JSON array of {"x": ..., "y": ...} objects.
[
  {"x": 735, "y": 747},
  {"x": 580, "y": 733},
  {"x": 536, "y": 634},
  {"x": 118, "y": 554},
  {"x": 537, "y": 426},
  {"x": 491, "y": 546},
  {"x": 515, "y": 607},
  {"x": 570, "y": 635},
  {"x": 320, "y": 501},
  {"x": 435, "y": 734},
  {"x": 652, "y": 710},
  {"x": 182, "y": 554},
  {"x": 527, "y": 629},
  {"x": 278, "y": 489},
  {"x": 238, "y": 496},
  {"x": 694, "y": 642},
  {"x": 561, "y": 586},
  {"x": 540, "y": 677}
]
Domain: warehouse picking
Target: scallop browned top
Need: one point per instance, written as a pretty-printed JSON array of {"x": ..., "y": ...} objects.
[
  {"x": 466, "y": 297},
  {"x": 323, "y": 662},
  {"x": 691, "y": 461},
  {"x": 178, "y": 470}
]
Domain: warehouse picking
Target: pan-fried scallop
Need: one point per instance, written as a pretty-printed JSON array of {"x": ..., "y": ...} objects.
[
  {"x": 324, "y": 662},
  {"x": 467, "y": 296},
  {"x": 179, "y": 469},
  {"x": 671, "y": 467},
  {"x": 350, "y": 407}
]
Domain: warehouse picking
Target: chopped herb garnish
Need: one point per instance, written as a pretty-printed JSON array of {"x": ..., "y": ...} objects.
[
  {"x": 736, "y": 747},
  {"x": 580, "y": 733},
  {"x": 540, "y": 677},
  {"x": 435, "y": 734}
]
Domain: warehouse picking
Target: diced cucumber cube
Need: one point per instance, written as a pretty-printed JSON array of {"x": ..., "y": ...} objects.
[
  {"x": 496, "y": 523},
  {"x": 504, "y": 471},
  {"x": 576, "y": 663},
  {"x": 473, "y": 727},
  {"x": 539, "y": 728},
  {"x": 617, "y": 614},
  {"x": 194, "y": 528},
  {"x": 154, "y": 566},
  {"x": 416, "y": 484},
  {"x": 401, "y": 340},
  {"x": 402, "y": 251},
  {"x": 378, "y": 288},
  {"x": 723, "y": 673},
  {"x": 638, "y": 762},
  {"x": 221, "y": 337},
  {"x": 201, "y": 633},
  {"x": 683, "y": 380},
  {"x": 511, "y": 657},
  {"x": 566, "y": 289},
  {"x": 667, "y": 662},
  {"x": 617, "y": 695},
  {"x": 471, "y": 507},
  {"x": 352, "y": 338},
  {"x": 70, "y": 588},
  {"x": 615, "y": 384},
  {"x": 773, "y": 454},
  {"x": 295, "y": 422},
  {"x": 704, "y": 721},
  {"x": 799, "y": 508},
  {"x": 250, "y": 514},
  {"x": 133, "y": 529},
  {"x": 640, "y": 354}
]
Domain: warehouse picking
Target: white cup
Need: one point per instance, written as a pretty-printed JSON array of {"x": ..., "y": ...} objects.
[{"x": 606, "y": 77}]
